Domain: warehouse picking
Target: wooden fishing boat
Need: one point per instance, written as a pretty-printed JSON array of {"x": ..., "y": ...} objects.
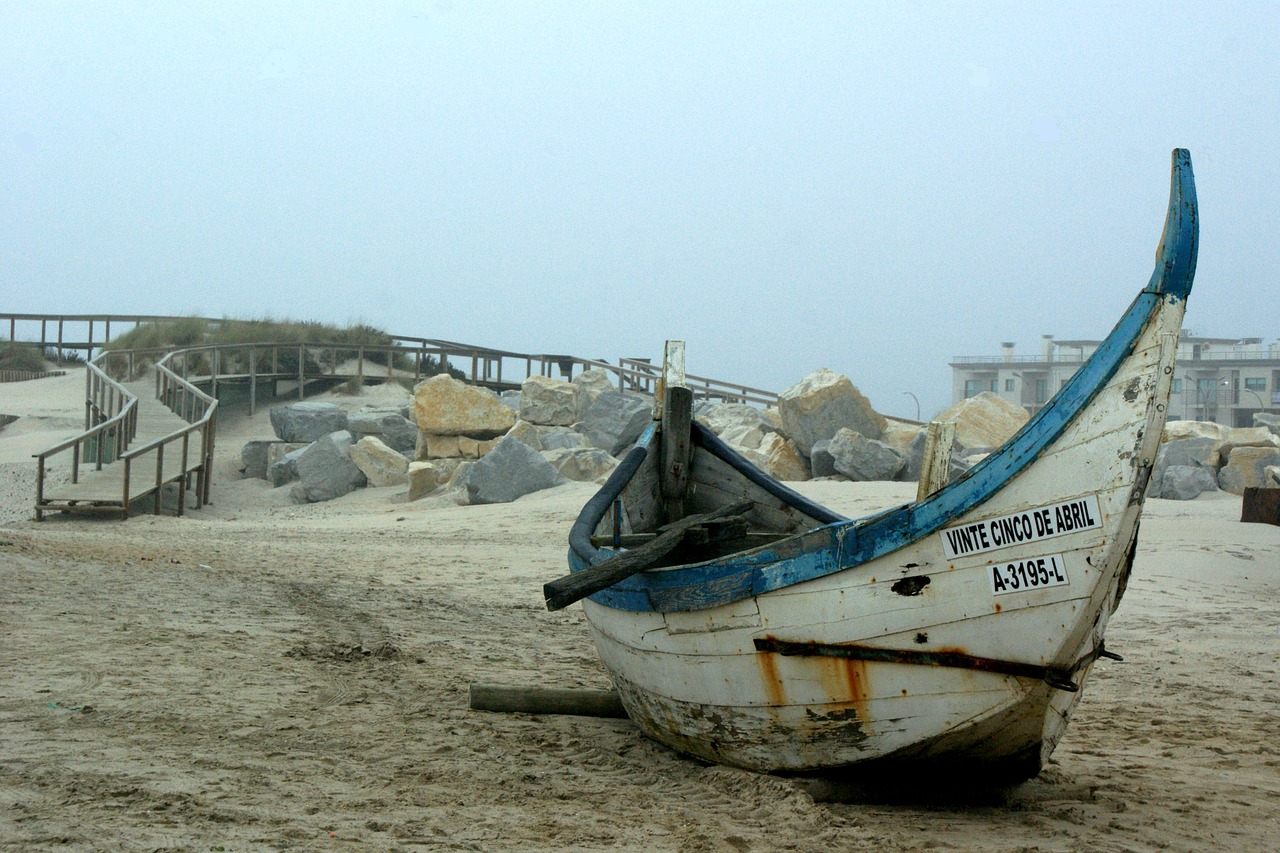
[{"x": 746, "y": 625}]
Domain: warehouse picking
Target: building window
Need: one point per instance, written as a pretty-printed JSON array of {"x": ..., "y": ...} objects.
[
  {"x": 995, "y": 384},
  {"x": 973, "y": 387},
  {"x": 1177, "y": 386},
  {"x": 1042, "y": 390},
  {"x": 1008, "y": 385},
  {"x": 1258, "y": 383},
  {"x": 1207, "y": 392}
]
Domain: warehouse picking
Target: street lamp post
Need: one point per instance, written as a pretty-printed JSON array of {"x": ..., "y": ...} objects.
[{"x": 913, "y": 397}]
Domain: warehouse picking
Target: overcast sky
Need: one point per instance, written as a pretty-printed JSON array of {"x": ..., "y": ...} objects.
[{"x": 870, "y": 187}]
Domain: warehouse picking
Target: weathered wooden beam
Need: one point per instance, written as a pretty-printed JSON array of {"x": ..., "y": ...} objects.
[
  {"x": 562, "y": 592},
  {"x": 935, "y": 470},
  {"x": 1261, "y": 506},
  {"x": 520, "y": 699}
]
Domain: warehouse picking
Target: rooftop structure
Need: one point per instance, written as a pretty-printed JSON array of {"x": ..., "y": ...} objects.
[{"x": 1225, "y": 380}]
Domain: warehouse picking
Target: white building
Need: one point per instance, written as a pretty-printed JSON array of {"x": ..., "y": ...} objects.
[{"x": 1218, "y": 379}]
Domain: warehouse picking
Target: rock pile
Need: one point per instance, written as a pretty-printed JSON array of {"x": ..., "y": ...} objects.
[
  {"x": 471, "y": 446},
  {"x": 1197, "y": 457}
]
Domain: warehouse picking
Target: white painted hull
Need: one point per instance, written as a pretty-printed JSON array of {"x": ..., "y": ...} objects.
[
  {"x": 695, "y": 681},
  {"x": 955, "y": 630}
]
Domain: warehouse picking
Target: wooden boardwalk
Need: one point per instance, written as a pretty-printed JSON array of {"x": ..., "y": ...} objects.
[{"x": 104, "y": 490}]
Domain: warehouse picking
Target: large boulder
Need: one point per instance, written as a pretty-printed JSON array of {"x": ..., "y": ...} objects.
[
  {"x": 1268, "y": 420},
  {"x": 395, "y": 430},
  {"x": 423, "y": 478},
  {"x": 547, "y": 437},
  {"x": 861, "y": 458},
  {"x": 821, "y": 462},
  {"x": 986, "y": 420},
  {"x": 823, "y": 403},
  {"x": 1247, "y": 467},
  {"x": 444, "y": 406},
  {"x": 325, "y": 469},
  {"x": 783, "y": 459},
  {"x": 382, "y": 465},
  {"x": 509, "y": 471},
  {"x": 582, "y": 464},
  {"x": 1178, "y": 430},
  {"x": 284, "y": 469},
  {"x": 590, "y": 384},
  {"x": 1185, "y": 482},
  {"x": 307, "y": 421},
  {"x": 1246, "y": 437},
  {"x": 614, "y": 421},
  {"x": 1184, "y": 452},
  {"x": 737, "y": 423},
  {"x": 899, "y": 436},
  {"x": 253, "y": 459},
  {"x": 549, "y": 402}
]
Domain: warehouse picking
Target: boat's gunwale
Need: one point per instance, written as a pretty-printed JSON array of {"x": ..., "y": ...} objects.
[{"x": 854, "y": 542}]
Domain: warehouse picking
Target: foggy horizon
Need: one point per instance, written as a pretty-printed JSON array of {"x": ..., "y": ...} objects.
[{"x": 867, "y": 188}]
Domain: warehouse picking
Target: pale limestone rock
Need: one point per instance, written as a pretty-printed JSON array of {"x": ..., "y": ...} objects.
[
  {"x": 444, "y": 406},
  {"x": 382, "y": 465},
  {"x": 548, "y": 401},
  {"x": 782, "y": 458},
  {"x": 773, "y": 418},
  {"x": 528, "y": 433},
  {"x": 470, "y": 448},
  {"x": 1258, "y": 436},
  {"x": 1175, "y": 430},
  {"x": 1247, "y": 467},
  {"x": 823, "y": 403},
  {"x": 442, "y": 446},
  {"x": 589, "y": 385},
  {"x": 424, "y": 478},
  {"x": 744, "y": 436},
  {"x": 986, "y": 420},
  {"x": 1271, "y": 476},
  {"x": 899, "y": 436}
]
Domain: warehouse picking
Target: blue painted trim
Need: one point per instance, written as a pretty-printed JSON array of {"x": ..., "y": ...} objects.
[{"x": 847, "y": 544}]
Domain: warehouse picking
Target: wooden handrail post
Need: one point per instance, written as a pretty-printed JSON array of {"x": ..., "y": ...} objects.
[
  {"x": 39, "y": 483},
  {"x": 302, "y": 375},
  {"x": 159, "y": 476},
  {"x": 253, "y": 380}
]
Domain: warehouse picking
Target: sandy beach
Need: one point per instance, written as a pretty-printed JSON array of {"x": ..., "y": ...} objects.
[{"x": 263, "y": 676}]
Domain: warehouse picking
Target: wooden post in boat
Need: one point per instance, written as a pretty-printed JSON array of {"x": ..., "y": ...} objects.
[
  {"x": 677, "y": 416},
  {"x": 935, "y": 468}
]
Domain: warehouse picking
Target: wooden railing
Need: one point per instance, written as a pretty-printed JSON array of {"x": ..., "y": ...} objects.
[
  {"x": 480, "y": 365},
  {"x": 110, "y": 423}
]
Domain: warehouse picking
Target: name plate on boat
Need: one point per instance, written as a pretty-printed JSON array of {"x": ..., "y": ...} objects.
[
  {"x": 1031, "y": 573},
  {"x": 1019, "y": 528}
]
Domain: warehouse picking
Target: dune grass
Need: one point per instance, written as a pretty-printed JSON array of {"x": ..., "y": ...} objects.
[
  {"x": 195, "y": 331},
  {"x": 21, "y": 356}
]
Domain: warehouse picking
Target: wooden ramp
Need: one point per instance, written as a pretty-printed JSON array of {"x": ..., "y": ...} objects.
[{"x": 117, "y": 485}]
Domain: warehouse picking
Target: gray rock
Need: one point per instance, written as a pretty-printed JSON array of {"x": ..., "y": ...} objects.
[
  {"x": 1184, "y": 452},
  {"x": 325, "y": 469},
  {"x": 861, "y": 458},
  {"x": 548, "y": 402},
  {"x": 589, "y": 385},
  {"x": 1185, "y": 482},
  {"x": 910, "y": 472},
  {"x": 307, "y": 421},
  {"x": 821, "y": 462},
  {"x": 253, "y": 458},
  {"x": 285, "y": 469},
  {"x": 614, "y": 421},
  {"x": 510, "y": 399},
  {"x": 562, "y": 438},
  {"x": 395, "y": 430},
  {"x": 582, "y": 464},
  {"x": 509, "y": 471}
]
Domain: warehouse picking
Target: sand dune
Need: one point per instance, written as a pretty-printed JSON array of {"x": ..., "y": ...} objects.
[{"x": 260, "y": 675}]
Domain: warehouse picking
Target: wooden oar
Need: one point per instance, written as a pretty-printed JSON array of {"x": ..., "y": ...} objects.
[{"x": 562, "y": 592}]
